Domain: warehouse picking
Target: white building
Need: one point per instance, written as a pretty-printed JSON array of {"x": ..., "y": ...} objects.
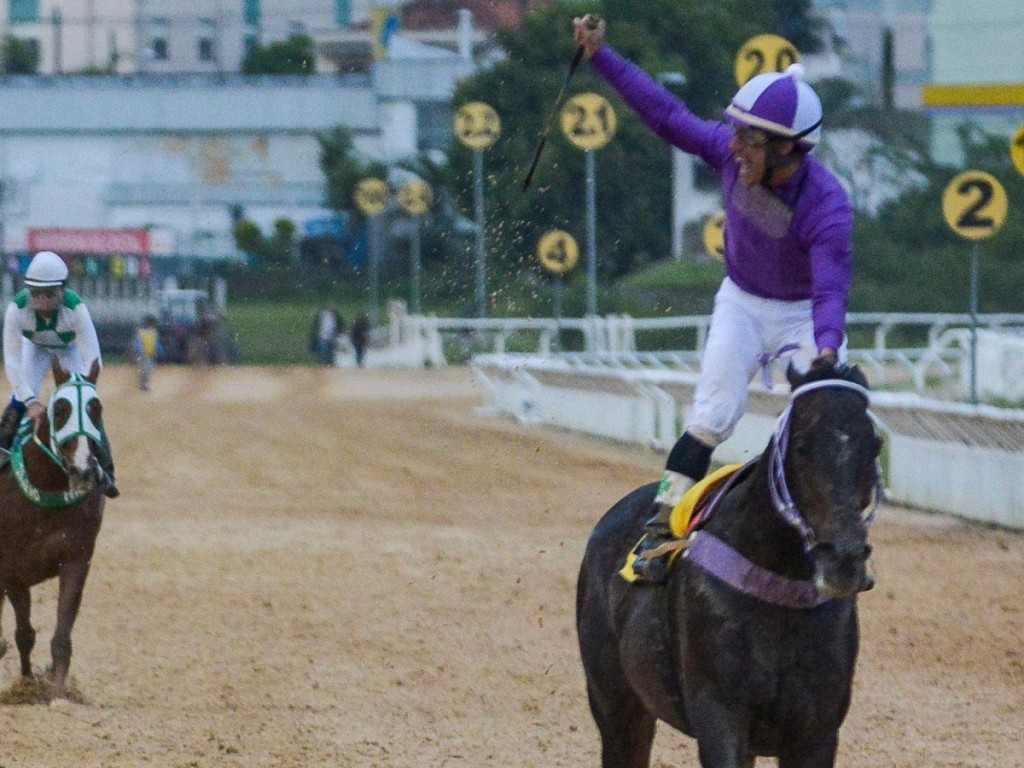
[
  {"x": 861, "y": 26},
  {"x": 168, "y": 35},
  {"x": 978, "y": 72},
  {"x": 187, "y": 152}
]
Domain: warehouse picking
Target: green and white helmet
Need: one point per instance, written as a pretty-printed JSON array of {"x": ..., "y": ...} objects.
[{"x": 46, "y": 270}]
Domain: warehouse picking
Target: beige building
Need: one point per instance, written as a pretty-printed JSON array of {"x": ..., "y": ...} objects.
[
  {"x": 74, "y": 35},
  {"x": 168, "y": 35}
]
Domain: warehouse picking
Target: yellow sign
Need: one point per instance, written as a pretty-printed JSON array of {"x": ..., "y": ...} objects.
[
  {"x": 477, "y": 125},
  {"x": 384, "y": 25},
  {"x": 558, "y": 252},
  {"x": 371, "y": 196},
  {"x": 1017, "y": 149},
  {"x": 975, "y": 205},
  {"x": 588, "y": 121},
  {"x": 764, "y": 53},
  {"x": 714, "y": 236},
  {"x": 415, "y": 197}
]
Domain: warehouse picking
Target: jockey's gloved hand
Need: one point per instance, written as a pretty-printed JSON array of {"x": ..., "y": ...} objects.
[
  {"x": 36, "y": 410},
  {"x": 827, "y": 356}
]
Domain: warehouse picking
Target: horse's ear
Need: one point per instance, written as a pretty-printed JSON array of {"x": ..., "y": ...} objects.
[
  {"x": 94, "y": 371},
  {"x": 857, "y": 376},
  {"x": 793, "y": 376},
  {"x": 59, "y": 374}
]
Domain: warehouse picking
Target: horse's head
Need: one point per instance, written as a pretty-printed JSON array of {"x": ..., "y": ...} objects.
[
  {"x": 75, "y": 418},
  {"x": 831, "y": 473}
]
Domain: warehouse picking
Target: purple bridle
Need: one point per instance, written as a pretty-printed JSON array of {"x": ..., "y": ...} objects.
[
  {"x": 782, "y": 499},
  {"x": 722, "y": 561}
]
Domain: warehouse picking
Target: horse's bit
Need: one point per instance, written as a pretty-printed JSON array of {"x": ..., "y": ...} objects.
[{"x": 782, "y": 499}]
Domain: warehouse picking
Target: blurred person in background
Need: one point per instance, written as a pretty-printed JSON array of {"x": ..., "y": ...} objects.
[
  {"x": 146, "y": 350},
  {"x": 323, "y": 337}
]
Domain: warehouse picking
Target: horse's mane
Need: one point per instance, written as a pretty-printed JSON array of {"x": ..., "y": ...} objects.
[{"x": 822, "y": 370}]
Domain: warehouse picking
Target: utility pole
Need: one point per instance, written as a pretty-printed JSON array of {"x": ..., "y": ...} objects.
[
  {"x": 58, "y": 41},
  {"x": 90, "y": 33}
]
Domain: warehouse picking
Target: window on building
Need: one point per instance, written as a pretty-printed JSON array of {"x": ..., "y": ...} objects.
[
  {"x": 342, "y": 12},
  {"x": 251, "y": 43},
  {"x": 158, "y": 41},
  {"x": 24, "y": 10},
  {"x": 251, "y": 10},
  {"x": 207, "y": 42}
]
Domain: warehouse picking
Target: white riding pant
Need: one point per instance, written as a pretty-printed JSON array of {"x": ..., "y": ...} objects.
[
  {"x": 36, "y": 361},
  {"x": 745, "y": 331}
]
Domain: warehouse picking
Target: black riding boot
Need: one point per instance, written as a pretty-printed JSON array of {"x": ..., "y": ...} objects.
[
  {"x": 651, "y": 565},
  {"x": 687, "y": 463},
  {"x": 9, "y": 425}
]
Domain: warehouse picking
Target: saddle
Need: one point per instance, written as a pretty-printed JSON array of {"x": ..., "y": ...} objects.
[{"x": 689, "y": 514}]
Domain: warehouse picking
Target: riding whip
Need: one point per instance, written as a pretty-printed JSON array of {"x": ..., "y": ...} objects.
[{"x": 591, "y": 20}]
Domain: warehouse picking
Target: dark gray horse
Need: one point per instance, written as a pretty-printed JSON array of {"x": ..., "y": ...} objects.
[{"x": 750, "y": 647}]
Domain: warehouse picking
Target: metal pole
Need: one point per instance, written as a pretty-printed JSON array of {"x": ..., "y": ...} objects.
[
  {"x": 373, "y": 248},
  {"x": 591, "y": 234},
  {"x": 481, "y": 266},
  {"x": 558, "y": 313},
  {"x": 416, "y": 269},
  {"x": 974, "y": 323}
]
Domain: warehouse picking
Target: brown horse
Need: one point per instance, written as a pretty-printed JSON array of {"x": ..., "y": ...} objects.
[{"x": 51, "y": 509}]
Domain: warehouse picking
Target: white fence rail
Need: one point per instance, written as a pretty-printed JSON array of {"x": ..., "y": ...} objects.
[
  {"x": 955, "y": 458},
  {"x": 934, "y": 356}
]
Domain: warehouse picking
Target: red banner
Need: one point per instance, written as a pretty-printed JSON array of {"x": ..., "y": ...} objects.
[{"x": 67, "y": 242}]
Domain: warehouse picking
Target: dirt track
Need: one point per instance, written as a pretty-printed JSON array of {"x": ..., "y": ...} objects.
[{"x": 354, "y": 568}]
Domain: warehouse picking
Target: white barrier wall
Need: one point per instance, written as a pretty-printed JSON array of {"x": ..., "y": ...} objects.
[{"x": 954, "y": 458}]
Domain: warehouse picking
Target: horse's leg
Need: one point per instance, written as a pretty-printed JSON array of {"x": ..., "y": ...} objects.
[
  {"x": 821, "y": 754},
  {"x": 721, "y": 734},
  {"x": 69, "y": 599},
  {"x": 626, "y": 727},
  {"x": 24, "y": 635}
]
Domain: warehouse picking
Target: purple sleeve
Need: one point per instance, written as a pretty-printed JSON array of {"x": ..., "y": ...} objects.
[
  {"x": 662, "y": 112},
  {"x": 831, "y": 255}
]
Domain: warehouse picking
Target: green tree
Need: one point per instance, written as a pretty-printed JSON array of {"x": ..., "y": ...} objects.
[
  {"x": 277, "y": 250},
  {"x": 343, "y": 168},
  {"x": 294, "y": 56},
  {"x": 20, "y": 57},
  {"x": 908, "y": 259}
]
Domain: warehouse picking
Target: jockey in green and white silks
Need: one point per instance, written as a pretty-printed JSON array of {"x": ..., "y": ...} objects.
[{"x": 44, "y": 321}]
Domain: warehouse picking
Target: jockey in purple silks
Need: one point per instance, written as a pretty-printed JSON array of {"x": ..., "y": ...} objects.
[{"x": 788, "y": 252}]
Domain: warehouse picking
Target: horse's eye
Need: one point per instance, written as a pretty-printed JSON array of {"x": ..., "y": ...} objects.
[
  {"x": 95, "y": 412},
  {"x": 61, "y": 413}
]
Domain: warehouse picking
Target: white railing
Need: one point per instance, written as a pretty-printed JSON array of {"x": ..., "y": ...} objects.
[
  {"x": 933, "y": 359},
  {"x": 956, "y": 458}
]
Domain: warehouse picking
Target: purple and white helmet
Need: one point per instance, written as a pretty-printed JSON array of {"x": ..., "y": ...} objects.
[{"x": 780, "y": 104}]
